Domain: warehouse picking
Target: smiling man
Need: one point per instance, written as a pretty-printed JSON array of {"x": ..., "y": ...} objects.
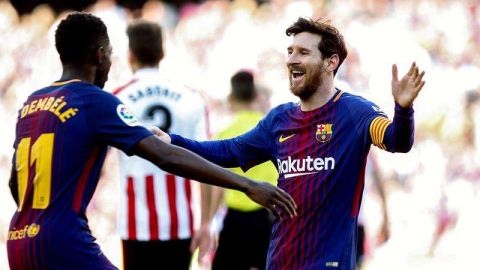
[{"x": 320, "y": 148}]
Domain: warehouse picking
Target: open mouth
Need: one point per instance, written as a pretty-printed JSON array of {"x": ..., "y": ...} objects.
[{"x": 297, "y": 75}]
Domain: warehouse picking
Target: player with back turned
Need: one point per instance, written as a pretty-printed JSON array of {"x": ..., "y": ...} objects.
[
  {"x": 62, "y": 135},
  {"x": 320, "y": 148},
  {"x": 158, "y": 213}
]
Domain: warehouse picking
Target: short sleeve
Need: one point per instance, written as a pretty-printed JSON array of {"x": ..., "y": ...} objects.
[{"x": 114, "y": 124}]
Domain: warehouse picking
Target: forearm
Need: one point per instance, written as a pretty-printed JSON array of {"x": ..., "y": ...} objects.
[
  {"x": 206, "y": 201},
  {"x": 218, "y": 152},
  {"x": 184, "y": 163},
  {"x": 399, "y": 135}
]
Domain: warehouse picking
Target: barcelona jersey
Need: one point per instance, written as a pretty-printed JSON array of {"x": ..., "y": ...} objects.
[
  {"x": 320, "y": 156},
  {"x": 62, "y": 135}
]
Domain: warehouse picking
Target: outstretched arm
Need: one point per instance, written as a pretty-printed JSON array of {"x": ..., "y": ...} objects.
[
  {"x": 245, "y": 151},
  {"x": 397, "y": 136},
  {"x": 184, "y": 163},
  {"x": 218, "y": 152}
]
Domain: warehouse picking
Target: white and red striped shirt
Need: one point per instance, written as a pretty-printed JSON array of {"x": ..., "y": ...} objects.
[{"x": 154, "y": 204}]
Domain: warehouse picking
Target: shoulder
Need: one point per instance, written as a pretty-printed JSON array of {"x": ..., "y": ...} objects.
[
  {"x": 92, "y": 94},
  {"x": 278, "y": 112},
  {"x": 282, "y": 108},
  {"x": 358, "y": 105}
]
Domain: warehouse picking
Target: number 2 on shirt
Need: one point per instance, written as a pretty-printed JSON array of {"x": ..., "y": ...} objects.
[{"x": 40, "y": 152}]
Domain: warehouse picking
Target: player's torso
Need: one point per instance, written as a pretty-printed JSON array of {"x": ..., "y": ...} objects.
[
  {"x": 58, "y": 162},
  {"x": 319, "y": 156},
  {"x": 148, "y": 193}
]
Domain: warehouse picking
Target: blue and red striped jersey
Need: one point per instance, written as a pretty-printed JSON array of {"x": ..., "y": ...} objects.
[
  {"x": 62, "y": 135},
  {"x": 320, "y": 156}
]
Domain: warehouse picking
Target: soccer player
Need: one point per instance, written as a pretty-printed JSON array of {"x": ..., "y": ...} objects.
[
  {"x": 62, "y": 135},
  {"x": 157, "y": 211},
  {"x": 320, "y": 148},
  {"x": 245, "y": 234}
]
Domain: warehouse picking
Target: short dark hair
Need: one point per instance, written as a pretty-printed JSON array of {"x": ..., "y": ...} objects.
[
  {"x": 145, "y": 41},
  {"x": 243, "y": 86},
  {"x": 78, "y": 37},
  {"x": 332, "y": 41}
]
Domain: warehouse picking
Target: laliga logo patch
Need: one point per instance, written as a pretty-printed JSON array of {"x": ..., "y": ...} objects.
[
  {"x": 324, "y": 133},
  {"x": 127, "y": 117}
]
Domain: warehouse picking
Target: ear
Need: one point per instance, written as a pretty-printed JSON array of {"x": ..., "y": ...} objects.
[
  {"x": 162, "y": 54},
  {"x": 131, "y": 58},
  {"x": 230, "y": 99},
  {"x": 331, "y": 63},
  {"x": 100, "y": 55}
]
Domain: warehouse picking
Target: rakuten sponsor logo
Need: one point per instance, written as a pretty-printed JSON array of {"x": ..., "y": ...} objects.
[{"x": 298, "y": 167}]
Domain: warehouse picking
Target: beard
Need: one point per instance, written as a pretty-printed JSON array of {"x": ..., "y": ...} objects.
[{"x": 312, "y": 80}]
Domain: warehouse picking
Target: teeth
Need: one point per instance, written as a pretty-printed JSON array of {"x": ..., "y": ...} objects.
[{"x": 297, "y": 73}]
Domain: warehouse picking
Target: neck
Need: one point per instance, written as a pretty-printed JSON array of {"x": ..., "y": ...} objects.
[
  {"x": 240, "y": 106},
  {"x": 136, "y": 67},
  {"x": 83, "y": 73},
  {"x": 323, "y": 94}
]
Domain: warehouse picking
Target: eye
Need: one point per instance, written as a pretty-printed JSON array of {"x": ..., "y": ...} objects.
[
  {"x": 289, "y": 51},
  {"x": 304, "y": 52}
]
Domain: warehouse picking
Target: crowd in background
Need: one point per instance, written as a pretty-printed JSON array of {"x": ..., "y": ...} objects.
[{"x": 432, "y": 193}]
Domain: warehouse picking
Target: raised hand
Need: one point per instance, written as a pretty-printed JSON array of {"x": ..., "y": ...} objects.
[
  {"x": 273, "y": 198},
  {"x": 405, "y": 91}
]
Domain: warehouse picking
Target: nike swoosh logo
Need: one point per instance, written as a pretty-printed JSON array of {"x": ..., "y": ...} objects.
[{"x": 282, "y": 139}]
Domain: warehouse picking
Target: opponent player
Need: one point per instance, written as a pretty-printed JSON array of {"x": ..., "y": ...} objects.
[
  {"x": 320, "y": 148},
  {"x": 62, "y": 135},
  {"x": 157, "y": 214}
]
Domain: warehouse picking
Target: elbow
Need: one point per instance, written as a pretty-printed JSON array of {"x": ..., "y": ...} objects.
[{"x": 405, "y": 147}]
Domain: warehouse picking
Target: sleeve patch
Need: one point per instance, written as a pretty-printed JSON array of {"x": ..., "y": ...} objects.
[{"x": 126, "y": 115}]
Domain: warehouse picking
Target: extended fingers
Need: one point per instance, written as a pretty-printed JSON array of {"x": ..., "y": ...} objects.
[
  {"x": 420, "y": 86},
  {"x": 281, "y": 206},
  {"x": 394, "y": 73},
  {"x": 415, "y": 72},
  {"x": 273, "y": 208},
  {"x": 418, "y": 79},
  {"x": 283, "y": 202},
  {"x": 289, "y": 201},
  {"x": 412, "y": 69}
]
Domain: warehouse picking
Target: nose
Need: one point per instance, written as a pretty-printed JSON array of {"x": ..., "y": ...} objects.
[{"x": 292, "y": 59}]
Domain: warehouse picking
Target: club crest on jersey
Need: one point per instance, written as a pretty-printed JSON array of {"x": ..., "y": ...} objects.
[
  {"x": 126, "y": 116},
  {"x": 324, "y": 133}
]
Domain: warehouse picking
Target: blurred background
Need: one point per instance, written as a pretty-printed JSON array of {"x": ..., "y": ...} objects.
[{"x": 432, "y": 194}]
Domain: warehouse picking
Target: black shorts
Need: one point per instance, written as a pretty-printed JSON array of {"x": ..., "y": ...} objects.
[
  {"x": 174, "y": 254},
  {"x": 244, "y": 240}
]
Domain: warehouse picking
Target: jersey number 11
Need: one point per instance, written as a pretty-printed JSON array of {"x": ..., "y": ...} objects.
[{"x": 39, "y": 153}]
